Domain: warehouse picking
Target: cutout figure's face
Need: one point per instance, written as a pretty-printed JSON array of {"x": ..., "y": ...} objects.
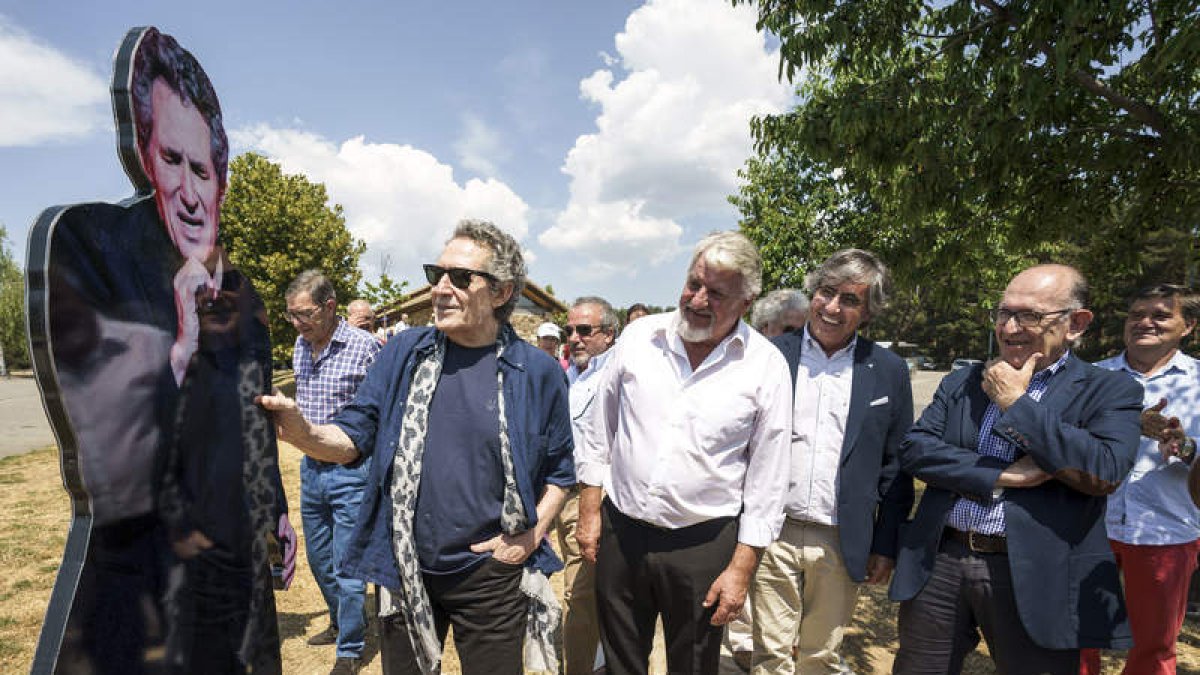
[{"x": 178, "y": 160}]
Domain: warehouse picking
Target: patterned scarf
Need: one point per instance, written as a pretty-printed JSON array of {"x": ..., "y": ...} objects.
[{"x": 411, "y": 599}]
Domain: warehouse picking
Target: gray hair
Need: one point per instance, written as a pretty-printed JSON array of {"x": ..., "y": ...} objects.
[
  {"x": 315, "y": 283},
  {"x": 775, "y": 304},
  {"x": 732, "y": 251},
  {"x": 506, "y": 262},
  {"x": 608, "y": 316},
  {"x": 856, "y": 266}
]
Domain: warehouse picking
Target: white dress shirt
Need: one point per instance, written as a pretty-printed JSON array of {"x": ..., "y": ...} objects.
[
  {"x": 1152, "y": 507},
  {"x": 582, "y": 394},
  {"x": 818, "y": 428},
  {"x": 674, "y": 447}
]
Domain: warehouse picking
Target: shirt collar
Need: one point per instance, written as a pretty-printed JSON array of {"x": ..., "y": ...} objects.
[
  {"x": 1180, "y": 361},
  {"x": 1049, "y": 371},
  {"x": 812, "y": 346},
  {"x": 669, "y": 332}
]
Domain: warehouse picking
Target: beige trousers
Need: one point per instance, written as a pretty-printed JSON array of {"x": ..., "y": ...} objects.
[
  {"x": 581, "y": 629},
  {"x": 802, "y": 595}
]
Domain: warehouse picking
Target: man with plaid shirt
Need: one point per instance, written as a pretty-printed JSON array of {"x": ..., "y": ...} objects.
[
  {"x": 1017, "y": 457},
  {"x": 330, "y": 360}
]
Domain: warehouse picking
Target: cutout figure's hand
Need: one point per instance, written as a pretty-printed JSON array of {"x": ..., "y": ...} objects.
[
  {"x": 191, "y": 545},
  {"x": 287, "y": 540},
  {"x": 190, "y": 280}
]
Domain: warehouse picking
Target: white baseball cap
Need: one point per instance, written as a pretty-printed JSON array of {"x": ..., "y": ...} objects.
[{"x": 549, "y": 330}]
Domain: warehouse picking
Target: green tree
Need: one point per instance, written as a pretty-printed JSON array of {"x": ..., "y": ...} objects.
[
  {"x": 276, "y": 225},
  {"x": 14, "y": 351},
  {"x": 967, "y": 138},
  {"x": 384, "y": 293}
]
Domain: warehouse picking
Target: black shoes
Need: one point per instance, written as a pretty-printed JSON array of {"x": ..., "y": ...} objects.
[
  {"x": 325, "y": 637},
  {"x": 346, "y": 665}
]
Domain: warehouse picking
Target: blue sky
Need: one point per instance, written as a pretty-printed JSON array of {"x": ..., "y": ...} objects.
[{"x": 604, "y": 135}]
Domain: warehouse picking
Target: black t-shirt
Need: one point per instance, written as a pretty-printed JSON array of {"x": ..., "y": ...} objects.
[{"x": 462, "y": 477}]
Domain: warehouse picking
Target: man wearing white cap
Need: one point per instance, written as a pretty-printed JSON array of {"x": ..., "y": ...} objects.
[{"x": 549, "y": 340}]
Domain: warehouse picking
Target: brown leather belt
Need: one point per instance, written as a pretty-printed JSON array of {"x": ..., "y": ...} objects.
[{"x": 979, "y": 543}]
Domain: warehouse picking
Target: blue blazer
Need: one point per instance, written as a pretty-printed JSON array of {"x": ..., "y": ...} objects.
[
  {"x": 874, "y": 496},
  {"x": 1084, "y": 432}
]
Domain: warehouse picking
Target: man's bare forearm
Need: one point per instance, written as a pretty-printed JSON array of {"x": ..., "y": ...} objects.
[
  {"x": 548, "y": 508},
  {"x": 326, "y": 443}
]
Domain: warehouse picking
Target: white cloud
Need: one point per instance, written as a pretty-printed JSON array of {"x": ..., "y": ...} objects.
[
  {"x": 479, "y": 147},
  {"x": 44, "y": 94},
  {"x": 400, "y": 200},
  {"x": 670, "y": 136}
]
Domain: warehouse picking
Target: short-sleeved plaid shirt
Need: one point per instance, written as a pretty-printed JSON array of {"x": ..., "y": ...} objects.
[
  {"x": 969, "y": 515},
  {"x": 326, "y": 385}
]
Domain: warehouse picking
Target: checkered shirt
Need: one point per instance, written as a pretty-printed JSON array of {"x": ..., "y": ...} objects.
[
  {"x": 987, "y": 517},
  {"x": 326, "y": 385}
]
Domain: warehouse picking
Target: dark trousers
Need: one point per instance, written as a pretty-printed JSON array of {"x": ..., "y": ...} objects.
[
  {"x": 968, "y": 593},
  {"x": 487, "y": 609},
  {"x": 643, "y": 571}
]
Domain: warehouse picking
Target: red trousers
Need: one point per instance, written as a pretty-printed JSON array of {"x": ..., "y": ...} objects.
[{"x": 1156, "y": 587}]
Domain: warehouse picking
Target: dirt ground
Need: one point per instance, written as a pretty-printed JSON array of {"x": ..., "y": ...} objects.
[{"x": 33, "y": 520}]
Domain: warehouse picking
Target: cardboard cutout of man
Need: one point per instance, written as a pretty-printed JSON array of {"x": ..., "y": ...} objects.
[{"x": 149, "y": 348}]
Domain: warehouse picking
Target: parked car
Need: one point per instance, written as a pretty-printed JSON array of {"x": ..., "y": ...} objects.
[{"x": 963, "y": 363}]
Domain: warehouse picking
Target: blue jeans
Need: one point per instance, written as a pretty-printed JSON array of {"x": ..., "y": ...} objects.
[{"x": 330, "y": 495}]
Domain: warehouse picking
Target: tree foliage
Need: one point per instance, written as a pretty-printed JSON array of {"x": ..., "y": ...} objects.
[
  {"x": 274, "y": 226},
  {"x": 13, "y": 347},
  {"x": 384, "y": 293},
  {"x": 962, "y": 140}
]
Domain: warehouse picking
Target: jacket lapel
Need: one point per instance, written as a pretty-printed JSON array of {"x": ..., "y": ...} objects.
[{"x": 861, "y": 387}]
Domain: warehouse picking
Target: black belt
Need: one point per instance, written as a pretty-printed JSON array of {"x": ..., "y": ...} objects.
[{"x": 978, "y": 542}]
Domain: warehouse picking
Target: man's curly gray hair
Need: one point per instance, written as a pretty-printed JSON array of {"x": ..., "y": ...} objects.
[
  {"x": 732, "y": 251},
  {"x": 856, "y": 266},
  {"x": 506, "y": 262}
]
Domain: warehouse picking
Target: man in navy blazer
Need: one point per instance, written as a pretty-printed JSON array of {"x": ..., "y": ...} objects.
[
  {"x": 851, "y": 406},
  {"x": 1018, "y": 456}
]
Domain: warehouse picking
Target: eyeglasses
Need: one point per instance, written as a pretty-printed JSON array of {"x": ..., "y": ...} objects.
[
  {"x": 847, "y": 300},
  {"x": 303, "y": 315},
  {"x": 1026, "y": 318},
  {"x": 583, "y": 329},
  {"x": 460, "y": 277}
]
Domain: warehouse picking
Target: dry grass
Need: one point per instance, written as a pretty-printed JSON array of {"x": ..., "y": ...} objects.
[{"x": 33, "y": 524}]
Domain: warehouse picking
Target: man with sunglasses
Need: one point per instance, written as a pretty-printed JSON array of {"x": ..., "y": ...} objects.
[
  {"x": 590, "y": 331},
  {"x": 1018, "y": 456},
  {"x": 689, "y": 438},
  {"x": 851, "y": 406},
  {"x": 466, "y": 431},
  {"x": 330, "y": 360}
]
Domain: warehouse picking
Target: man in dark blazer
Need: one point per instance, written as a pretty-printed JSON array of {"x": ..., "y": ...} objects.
[
  {"x": 852, "y": 404},
  {"x": 1017, "y": 456}
]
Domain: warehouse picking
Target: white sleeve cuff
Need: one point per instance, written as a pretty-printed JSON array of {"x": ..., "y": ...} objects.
[
  {"x": 591, "y": 473},
  {"x": 757, "y": 532}
]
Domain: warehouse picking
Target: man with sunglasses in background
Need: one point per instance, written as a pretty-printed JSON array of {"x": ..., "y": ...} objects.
[
  {"x": 330, "y": 360},
  {"x": 1018, "y": 456},
  {"x": 467, "y": 433},
  {"x": 590, "y": 331}
]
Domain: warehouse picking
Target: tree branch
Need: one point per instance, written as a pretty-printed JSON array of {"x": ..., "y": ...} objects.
[{"x": 1139, "y": 111}]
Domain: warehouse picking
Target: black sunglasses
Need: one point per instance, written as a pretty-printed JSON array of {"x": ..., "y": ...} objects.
[
  {"x": 583, "y": 329},
  {"x": 460, "y": 277}
]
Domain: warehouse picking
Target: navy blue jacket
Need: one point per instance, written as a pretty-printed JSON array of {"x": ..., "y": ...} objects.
[
  {"x": 874, "y": 496},
  {"x": 539, "y": 430},
  {"x": 1084, "y": 432}
]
